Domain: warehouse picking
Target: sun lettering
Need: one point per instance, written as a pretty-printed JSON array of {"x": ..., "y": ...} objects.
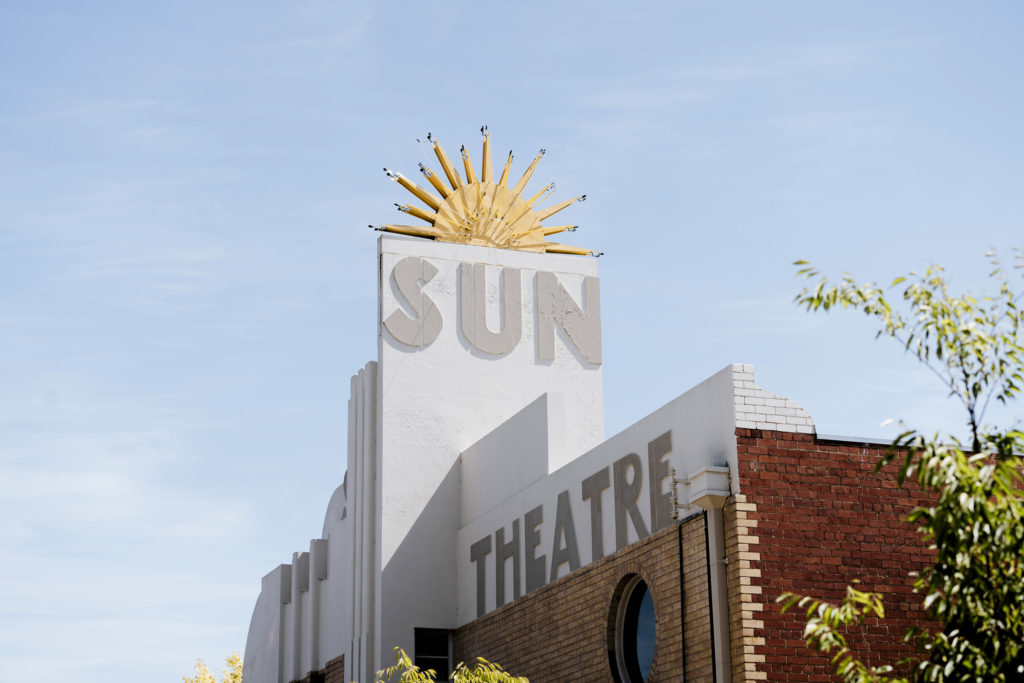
[{"x": 482, "y": 212}]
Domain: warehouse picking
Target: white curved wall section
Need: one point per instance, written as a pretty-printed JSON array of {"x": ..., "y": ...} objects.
[{"x": 324, "y": 604}]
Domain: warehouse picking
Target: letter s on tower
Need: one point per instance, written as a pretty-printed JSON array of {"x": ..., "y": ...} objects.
[{"x": 409, "y": 275}]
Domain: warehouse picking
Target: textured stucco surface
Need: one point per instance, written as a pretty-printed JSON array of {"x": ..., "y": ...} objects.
[
  {"x": 701, "y": 426},
  {"x": 438, "y": 399}
]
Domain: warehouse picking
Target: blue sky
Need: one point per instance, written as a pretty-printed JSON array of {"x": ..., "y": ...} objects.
[{"x": 187, "y": 279}]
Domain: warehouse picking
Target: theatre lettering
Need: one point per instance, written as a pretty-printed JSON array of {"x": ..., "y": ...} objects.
[{"x": 625, "y": 477}]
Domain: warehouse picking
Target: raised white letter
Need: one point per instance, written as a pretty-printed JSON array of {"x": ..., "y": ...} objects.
[
  {"x": 424, "y": 328},
  {"x": 555, "y": 305},
  {"x": 474, "y": 309}
]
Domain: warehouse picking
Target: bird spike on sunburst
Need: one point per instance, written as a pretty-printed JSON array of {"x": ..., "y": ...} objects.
[{"x": 476, "y": 210}]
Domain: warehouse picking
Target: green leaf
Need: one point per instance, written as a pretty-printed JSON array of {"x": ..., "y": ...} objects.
[{"x": 974, "y": 344}]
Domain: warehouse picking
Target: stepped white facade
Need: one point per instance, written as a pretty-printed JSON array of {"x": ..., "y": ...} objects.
[{"x": 477, "y": 469}]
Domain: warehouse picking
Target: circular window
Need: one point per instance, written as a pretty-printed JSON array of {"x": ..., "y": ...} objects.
[{"x": 635, "y": 630}]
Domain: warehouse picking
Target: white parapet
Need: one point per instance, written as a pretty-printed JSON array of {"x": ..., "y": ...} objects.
[{"x": 760, "y": 409}]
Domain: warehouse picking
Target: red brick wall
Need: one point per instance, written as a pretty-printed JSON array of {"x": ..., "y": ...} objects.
[
  {"x": 560, "y": 632},
  {"x": 814, "y": 516},
  {"x": 823, "y": 519}
]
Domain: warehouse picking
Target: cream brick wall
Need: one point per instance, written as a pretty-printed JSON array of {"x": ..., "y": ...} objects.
[
  {"x": 561, "y": 632},
  {"x": 745, "y": 599}
]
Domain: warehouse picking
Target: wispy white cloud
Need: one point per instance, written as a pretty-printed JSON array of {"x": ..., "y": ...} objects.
[
  {"x": 623, "y": 111},
  {"x": 329, "y": 38},
  {"x": 97, "y": 519},
  {"x": 178, "y": 267},
  {"x": 80, "y": 458},
  {"x": 58, "y": 647},
  {"x": 100, "y": 110}
]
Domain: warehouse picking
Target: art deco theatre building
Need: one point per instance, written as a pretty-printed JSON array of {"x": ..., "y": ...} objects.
[{"x": 484, "y": 513}]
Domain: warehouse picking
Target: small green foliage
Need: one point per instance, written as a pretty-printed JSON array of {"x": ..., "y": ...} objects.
[
  {"x": 406, "y": 671},
  {"x": 823, "y": 631},
  {"x": 973, "y": 344},
  {"x": 230, "y": 674},
  {"x": 233, "y": 672},
  {"x": 975, "y": 587},
  {"x": 482, "y": 671},
  {"x": 202, "y": 674}
]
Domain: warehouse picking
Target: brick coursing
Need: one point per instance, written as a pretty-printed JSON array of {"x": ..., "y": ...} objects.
[
  {"x": 820, "y": 518},
  {"x": 745, "y": 597},
  {"x": 333, "y": 672},
  {"x": 813, "y": 517},
  {"x": 759, "y": 409},
  {"x": 561, "y": 632}
]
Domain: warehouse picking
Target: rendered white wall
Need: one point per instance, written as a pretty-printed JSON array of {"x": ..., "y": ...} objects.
[
  {"x": 512, "y": 457},
  {"x": 263, "y": 657},
  {"x": 702, "y": 424},
  {"x": 438, "y": 398},
  {"x": 324, "y": 604}
]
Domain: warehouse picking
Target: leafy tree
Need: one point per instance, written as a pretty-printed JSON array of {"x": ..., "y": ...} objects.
[
  {"x": 975, "y": 587},
  {"x": 232, "y": 673},
  {"x": 482, "y": 671}
]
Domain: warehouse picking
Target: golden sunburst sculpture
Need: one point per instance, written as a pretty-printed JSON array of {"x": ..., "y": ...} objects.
[{"x": 479, "y": 211}]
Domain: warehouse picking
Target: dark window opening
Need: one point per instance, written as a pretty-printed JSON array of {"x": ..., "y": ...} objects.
[
  {"x": 635, "y": 633},
  {"x": 433, "y": 651}
]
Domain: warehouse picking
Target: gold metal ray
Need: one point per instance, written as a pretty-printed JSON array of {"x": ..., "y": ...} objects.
[
  {"x": 418, "y": 212},
  {"x": 468, "y": 165},
  {"x": 526, "y": 221},
  {"x": 431, "y": 200},
  {"x": 548, "y": 230},
  {"x": 412, "y": 230},
  {"x": 486, "y": 169},
  {"x": 552, "y": 210},
  {"x": 471, "y": 181},
  {"x": 498, "y": 203},
  {"x": 556, "y": 248},
  {"x": 446, "y": 164},
  {"x": 521, "y": 185},
  {"x": 529, "y": 205},
  {"x": 554, "y": 229},
  {"x": 480, "y": 212},
  {"x": 504, "y": 174},
  {"x": 545, "y": 193},
  {"x": 435, "y": 181}
]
